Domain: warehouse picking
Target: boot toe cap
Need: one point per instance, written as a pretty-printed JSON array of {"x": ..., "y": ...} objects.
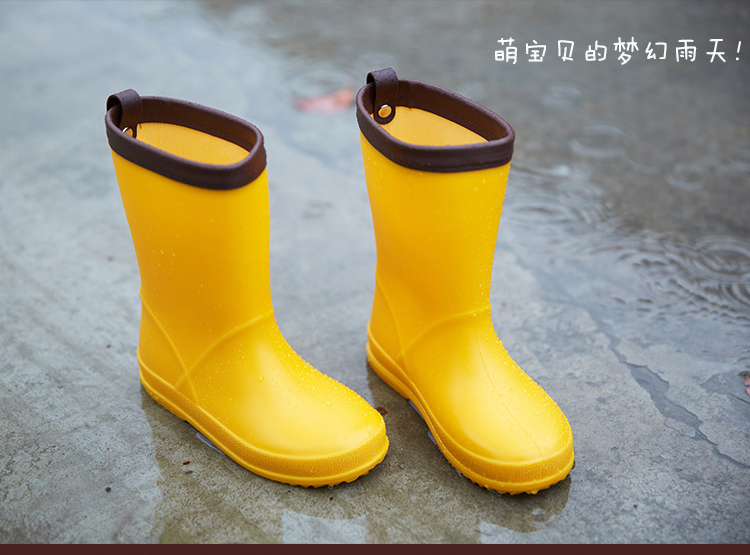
[{"x": 514, "y": 454}]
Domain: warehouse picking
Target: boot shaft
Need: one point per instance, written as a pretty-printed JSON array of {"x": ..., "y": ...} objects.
[
  {"x": 436, "y": 169},
  {"x": 195, "y": 192},
  {"x": 435, "y": 233}
]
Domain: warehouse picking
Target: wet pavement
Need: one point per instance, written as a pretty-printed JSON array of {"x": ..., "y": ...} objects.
[{"x": 621, "y": 281}]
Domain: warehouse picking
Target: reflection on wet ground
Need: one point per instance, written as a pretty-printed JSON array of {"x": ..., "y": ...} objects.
[{"x": 621, "y": 279}]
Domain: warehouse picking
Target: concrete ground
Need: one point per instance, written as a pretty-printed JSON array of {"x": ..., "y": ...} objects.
[{"x": 621, "y": 280}]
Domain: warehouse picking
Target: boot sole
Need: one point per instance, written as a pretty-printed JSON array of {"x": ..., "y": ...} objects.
[
  {"x": 247, "y": 455},
  {"x": 397, "y": 379}
]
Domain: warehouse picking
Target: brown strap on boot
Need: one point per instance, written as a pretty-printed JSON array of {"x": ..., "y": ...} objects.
[
  {"x": 386, "y": 93},
  {"x": 130, "y": 109}
]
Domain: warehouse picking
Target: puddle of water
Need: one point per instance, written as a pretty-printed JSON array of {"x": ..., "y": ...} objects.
[
  {"x": 687, "y": 177},
  {"x": 571, "y": 204},
  {"x": 549, "y": 212},
  {"x": 601, "y": 140},
  {"x": 551, "y": 174},
  {"x": 673, "y": 281},
  {"x": 709, "y": 275},
  {"x": 562, "y": 96},
  {"x": 721, "y": 259},
  {"x": 740, "y": 158}
]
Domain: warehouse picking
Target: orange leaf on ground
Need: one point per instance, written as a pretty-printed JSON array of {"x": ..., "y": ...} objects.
[{"x": 326, "y": 103}]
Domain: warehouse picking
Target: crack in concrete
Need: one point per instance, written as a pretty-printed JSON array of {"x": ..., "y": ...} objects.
[{"x": 658, "y": 388}]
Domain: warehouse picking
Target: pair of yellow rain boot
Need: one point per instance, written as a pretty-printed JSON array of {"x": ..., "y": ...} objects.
[{"x": 194, "y": 187}]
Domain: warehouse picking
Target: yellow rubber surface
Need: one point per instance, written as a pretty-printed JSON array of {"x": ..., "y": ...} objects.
[
  {"x": 209, "y": 347},
  {"x": 431, "y": 335}
]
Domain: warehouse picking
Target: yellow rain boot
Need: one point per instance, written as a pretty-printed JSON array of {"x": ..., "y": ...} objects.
[
  {"x": 194, "y": 186},
  {"x": 436, "y": 166}
]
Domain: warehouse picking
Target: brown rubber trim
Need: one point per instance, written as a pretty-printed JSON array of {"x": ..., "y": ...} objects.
[
  {"x": 127, "y": 110},
  {"x": 497, "y": 151}
]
